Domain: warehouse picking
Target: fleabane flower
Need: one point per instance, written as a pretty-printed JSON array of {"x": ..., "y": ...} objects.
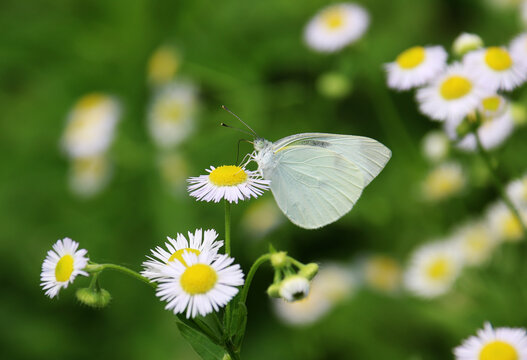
[
  {"x": 62, "y": 265},
  {"x": 466, "y": 42},
  {"x": 336, "y": 26},
  {"x": 496, "y": 127},
  {"x": 504, "y": 224},
  {"x": 90, "y": 127},
  {"x": 294, "y": 288},
  {"x": 452, "y": 95},
  {"x": 502, "y": 343},
  {"x": 415, "y": 67},
  {"x": 435, "y": 145},
  {"x": 444, "y": 181},
  {"x": 381, "y": 273},
  {"x": 205, "y": 284},
  {"x": 517, "y": 191},
  {"x": 433, "y": 269},
  {"x": 89, "y": 175},
  {"x": 197, "y": 243},
  {"x": 496, "y": 67},
  {"x": 475, "y": 242},
  {"x": 171, "y": 118},
  {"x": 519, "y": 48},
  {"x": 228, "y": 182}
]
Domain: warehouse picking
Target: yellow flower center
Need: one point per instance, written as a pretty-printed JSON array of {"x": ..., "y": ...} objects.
[
  {"x": 498, "y": 59},
  {"x": 170, "y": 111},
  {"x": 498, "y": 350},
  {"x": 491, "y": 103},
  {"x": 228, "y": 175},
  {"x": 198, "y": 279},
  {"x": 89, "y": 101},
  {"x": 333, "y": 18},
  {"x": 178, "y": 255},
  {"x": 439, "y": 269},
  {"x": 455, "y": 87},
  {"x": 64, "y": 268},
  {"x": 512, "y": 228},
  {"x": 411, "y": 58}
]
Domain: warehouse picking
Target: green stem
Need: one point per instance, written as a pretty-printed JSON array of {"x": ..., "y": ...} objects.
[
  {"x": 497, "y": 181},
  {"x": 97, "y": 268},
  {"x": 250, "y": 275},
  {"x": 227, "y": 228}
]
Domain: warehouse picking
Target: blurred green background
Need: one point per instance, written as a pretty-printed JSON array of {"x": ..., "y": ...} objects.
[{"x": 249, "y": 56}]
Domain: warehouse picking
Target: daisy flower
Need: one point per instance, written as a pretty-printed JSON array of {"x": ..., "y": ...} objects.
[
  {"x": 294, "y": 288},
  {"x": 88, "y": 176},
  {"x": 433, "y": 269},
  {"x": 207, "y": 283},
  {"x": 381, "y": 273},
  {"x": 517, "y": 191},
  {"x": 228, "y": 182},
  {"x": 171, "y": 115},
  {"x": 503, "y": 224},
  {"x": 519, "y": 48},
  {"x": 444, "y": 181},
  {"x": 452, "y": 95},
  {"x": 494, "y": 344},
  {"x": 197, "y": 243},
  {"x": 336, "y": 26},
  {"x": 466, "y": 42},
  {"x": 435, "y": 145},
  {"x": 415, "y": 67},
  {"x": 90, "y": 127},
  {"x": 496, "y": 67},
  {"x": 62, "y": 265},
  {"x": 163, "y": 65},
  {"x": 333, "y": 284},
  {"x": 475, "y": 242},
  {"x": 497, "y": 125}
]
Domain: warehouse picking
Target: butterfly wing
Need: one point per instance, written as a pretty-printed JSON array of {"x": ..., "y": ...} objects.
[
  {"x": 369, "y": 155},
  {"x": 314, "y": 186}
]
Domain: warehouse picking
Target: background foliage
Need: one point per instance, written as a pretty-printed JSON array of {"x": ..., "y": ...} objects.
[{"x": 249, "y": 56}]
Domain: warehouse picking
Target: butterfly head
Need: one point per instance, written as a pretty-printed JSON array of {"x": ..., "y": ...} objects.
[{"x": 260, "y": 144}]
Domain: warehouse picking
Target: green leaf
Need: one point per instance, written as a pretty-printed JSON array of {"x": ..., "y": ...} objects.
[
  {"x": 201, "y": 343},
  {"x": 238, "y": 324}
]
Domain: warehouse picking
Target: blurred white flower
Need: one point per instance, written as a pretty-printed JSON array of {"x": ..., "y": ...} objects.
[
  {"x": 445, "y": 180},
  {"x": 493, "y": 131},
  {"x": 90, "y": 127},
  {"x": 435, "y": 145},
  {"x": 415, "y": 67},
  {"x": 466, "y": 42},
  {"x": 494, "y": 344},
  {"x": 382, "y": 273},
  {"x": 452, "y": 95},
  {"x": 519, "y": 49},
  {"x": 171, "y": 117},
  {"x": 163, "y": 65},
  {"x": 262, "y": 217},
  {"x": 517, "y": 191},
  {"x": 495, "y": 67},
  {"x": 475, "y": 242},
  {"x": 336, "y": 26},
  {"x": 433, "y": 269},
  {"x": 503, "y": 224},
  {"x": 89, "y": 175},
  {"x": 333, "y": 284}
]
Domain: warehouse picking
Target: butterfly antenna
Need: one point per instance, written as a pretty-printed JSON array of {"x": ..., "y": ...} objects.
[
  {"x": 232, "y": 127},
  {"x": 243, "y": 122}
]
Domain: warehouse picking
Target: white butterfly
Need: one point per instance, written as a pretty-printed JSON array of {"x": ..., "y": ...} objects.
[{"x": 316, "y": 178}]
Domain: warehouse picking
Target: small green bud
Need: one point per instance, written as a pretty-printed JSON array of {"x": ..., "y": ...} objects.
[
  {"x": 309, "y": 271},
  {"x": 519, "y": 113},
  {"x": 279, "y": 260},
  {"x": 94, "y": 298},
  {"x": 274, "y": 290},
  {"x": 333, "y": 85}
]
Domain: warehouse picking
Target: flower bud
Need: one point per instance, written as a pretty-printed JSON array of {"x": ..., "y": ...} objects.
[
  {"x": 274, "y": 290},
  {"x": 93, "y": 298},
  {"x": 309, "y": 271},
  {"x": 465, "y": 43},
  {"x": 279, "y": 259}
]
